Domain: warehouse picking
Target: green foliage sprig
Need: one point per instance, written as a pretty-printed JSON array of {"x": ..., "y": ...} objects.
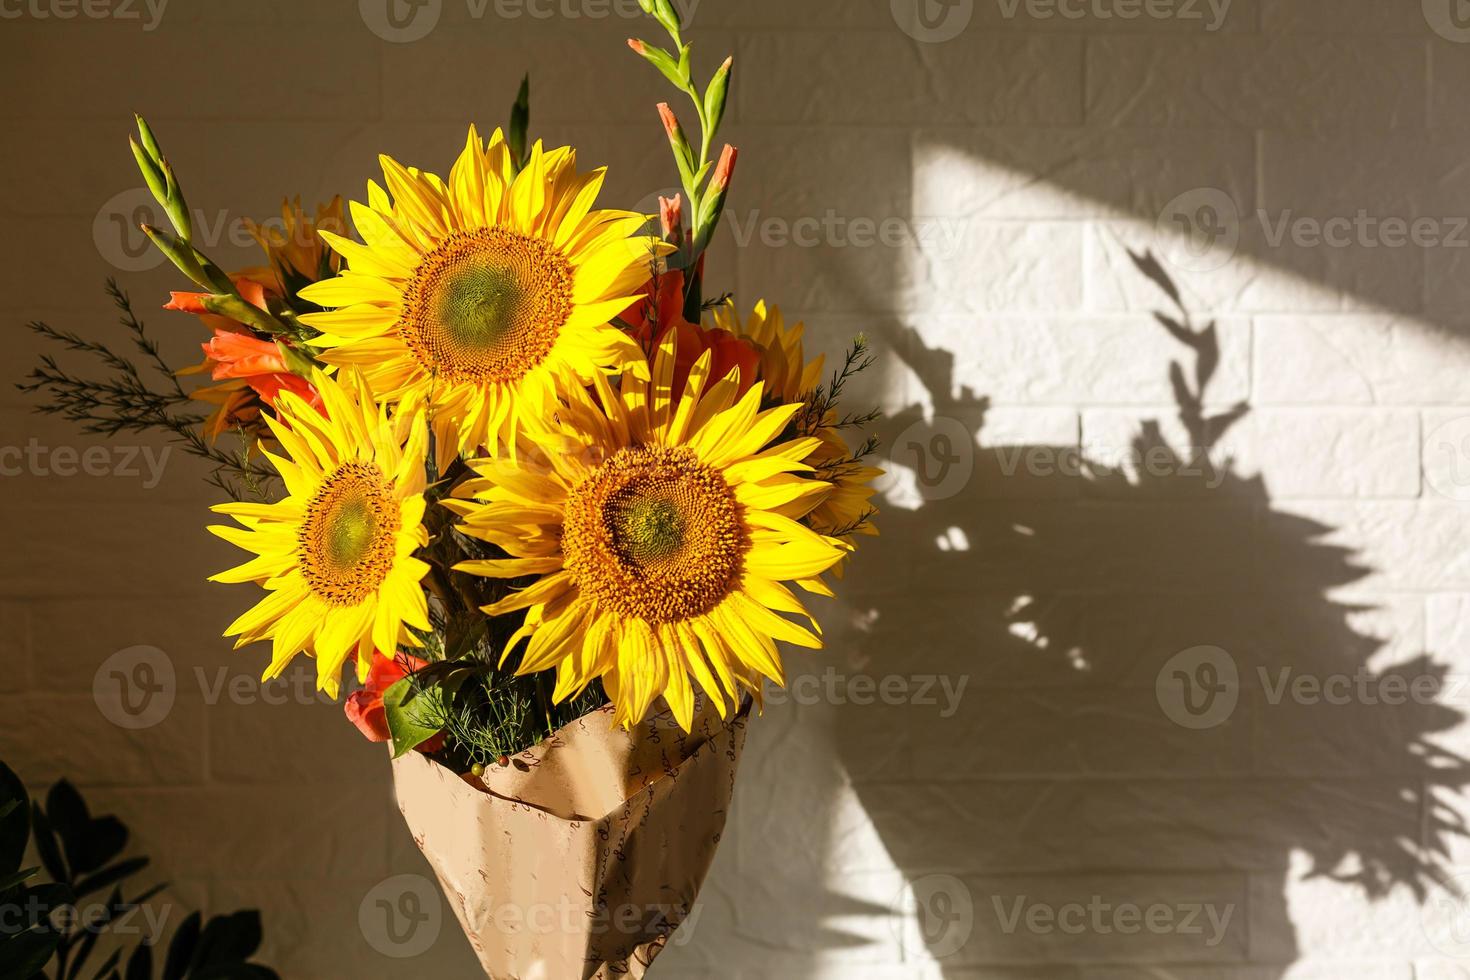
[
  {"x": 819, "y": 408},
  {"x": 124, "y": 401}
]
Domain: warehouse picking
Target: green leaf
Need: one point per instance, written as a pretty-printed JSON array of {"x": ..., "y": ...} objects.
[
  {"x": 685, "y": 71},
  {"x": 24, "y": 955},
  {"x": 703, "y": 172},
  {"x": 15, "y": 820},
  {"x": 14, "y": 878},
  {"x": 520, "y": 123},
  {"x": 408, "y": 706},
  {"x": 466, "y": 635},
  {"x": 24, "y": 951}
]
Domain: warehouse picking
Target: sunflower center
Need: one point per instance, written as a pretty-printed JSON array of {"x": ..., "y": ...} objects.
[
  {"x": 487, "y": 305},
  {"x": 655, "y": 534},
  {"x": 647, "y": 529},
  {"x": 348, "y": 540}
]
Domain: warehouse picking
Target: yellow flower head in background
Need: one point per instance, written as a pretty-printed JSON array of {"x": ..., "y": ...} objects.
[
  {"x": 485, "y": 295},
  {"x": 790, "y": 378},
  {"x": 297, "y": 253},
  {"x": 663, "y": 532},
  {"x": 336, "y": 555}
]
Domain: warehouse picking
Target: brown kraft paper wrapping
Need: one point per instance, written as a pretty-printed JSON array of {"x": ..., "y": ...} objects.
[{"x": 580, "y": 858}]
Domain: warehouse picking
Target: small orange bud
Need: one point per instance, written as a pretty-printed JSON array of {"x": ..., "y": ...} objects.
[
  {"x": 724, "y": 168},
  {"x": 671, "y": 216},
  {"x": 635, "y": 44},
  {"x": 671, "y": 122}
]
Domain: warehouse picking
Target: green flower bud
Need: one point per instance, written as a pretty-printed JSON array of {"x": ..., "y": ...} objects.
[
  {"x": 715, "y": 95},
  {"x": 149, "y": 143},
  {"x": 180, "y": 253},
  {"x": 662, "y": 60},
  {"x": 152, "y": 175}
]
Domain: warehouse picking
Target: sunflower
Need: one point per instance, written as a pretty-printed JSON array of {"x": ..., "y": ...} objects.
[
  {"x": 662, "y": 531},
  {"x": 484, "y": 295},
  {"x": 336, "y": 555},
  {"x": 789, "y": 377},
  {"x": 295, "y": 247}
]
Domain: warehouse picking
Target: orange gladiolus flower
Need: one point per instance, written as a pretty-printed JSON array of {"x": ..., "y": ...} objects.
[
  {"x": 258, "y": 363},
  {"x": 653, "y": 317},
  {"x": 237, "y": 355}
]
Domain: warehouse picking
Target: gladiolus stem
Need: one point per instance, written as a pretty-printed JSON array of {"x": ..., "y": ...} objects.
[
  {"x": 706, "y": 192},
  {"x": 179, "y": 246}
]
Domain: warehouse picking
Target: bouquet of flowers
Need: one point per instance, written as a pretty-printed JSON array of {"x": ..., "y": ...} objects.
[{"x": 505, "y": 461}]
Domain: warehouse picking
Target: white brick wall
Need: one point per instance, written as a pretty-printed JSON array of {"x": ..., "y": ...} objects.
[{"x": 970, "y": 204}]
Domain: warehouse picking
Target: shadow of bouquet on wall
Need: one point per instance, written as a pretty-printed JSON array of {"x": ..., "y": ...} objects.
[{"x": 1128, "y": 700}]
